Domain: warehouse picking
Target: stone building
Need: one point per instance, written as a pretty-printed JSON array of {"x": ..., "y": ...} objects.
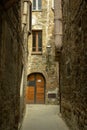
[
  {"x": 13, "y": 51},
  {"x": 42, "y": 78},
  {"x": 73, "y": 63}
]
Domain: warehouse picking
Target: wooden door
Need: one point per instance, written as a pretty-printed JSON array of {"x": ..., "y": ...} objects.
[
  {"x": 30, "y": 89},
  {"x": 40, "y": 89},
  {"x": 35, "y": 91}
]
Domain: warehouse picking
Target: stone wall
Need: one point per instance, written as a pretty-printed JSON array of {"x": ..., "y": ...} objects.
[
  {"x": 44, "y": 20},
  {"x": 11, "y": 67},
  {"x": 73, "y": 64}
]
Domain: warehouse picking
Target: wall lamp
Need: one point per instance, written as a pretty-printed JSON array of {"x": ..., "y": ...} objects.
[{"x": 48, "y": 49}]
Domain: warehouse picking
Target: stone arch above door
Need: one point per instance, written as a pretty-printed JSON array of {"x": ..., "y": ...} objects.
[{"x": 44, "y": 73}]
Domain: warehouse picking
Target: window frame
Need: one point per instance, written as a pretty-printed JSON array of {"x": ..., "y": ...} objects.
[
  {"x": 36, "y": 8},
  {"x": 37, "y": 51}
]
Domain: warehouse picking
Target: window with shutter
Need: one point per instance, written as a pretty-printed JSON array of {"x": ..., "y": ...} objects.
[{"x": 37, "y": 41}]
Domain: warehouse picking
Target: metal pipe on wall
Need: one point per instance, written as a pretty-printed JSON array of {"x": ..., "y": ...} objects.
[{"x": 58, "y": 23}]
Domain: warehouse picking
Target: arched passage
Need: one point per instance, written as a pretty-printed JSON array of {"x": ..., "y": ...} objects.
[{"x": 35, "y": 90}]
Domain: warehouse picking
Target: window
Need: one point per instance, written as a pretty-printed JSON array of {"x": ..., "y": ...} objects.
[
  {"x": 37, "y": 41},
  {"x": 37, "y": 5}
]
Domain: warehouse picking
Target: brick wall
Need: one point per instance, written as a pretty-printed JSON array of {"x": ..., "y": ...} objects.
[{"x": 73, "y": 64}]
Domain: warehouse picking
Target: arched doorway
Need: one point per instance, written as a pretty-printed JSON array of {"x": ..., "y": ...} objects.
[{"x": 35, "y": 91}]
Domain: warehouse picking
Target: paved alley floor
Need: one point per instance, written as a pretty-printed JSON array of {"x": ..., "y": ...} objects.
[{"x": 43, "y": 117}]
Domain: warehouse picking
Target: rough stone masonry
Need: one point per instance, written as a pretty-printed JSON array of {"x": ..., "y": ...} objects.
[
  {"x": 11, "y": 65},
  {"x": 73, "y": 64}
]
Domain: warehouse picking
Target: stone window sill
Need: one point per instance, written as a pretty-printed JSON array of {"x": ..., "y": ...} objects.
[
  {"x": 36, "y": 53},
  {"x": 36, "y": 10}
]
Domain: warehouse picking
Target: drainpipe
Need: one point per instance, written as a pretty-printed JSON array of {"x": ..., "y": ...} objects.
[
  {"x": 58, "y": 23},
  {"x": 47, "y": 24},
  {"x": 24, "y": 25},
  {"x": 58, "y": 35}
]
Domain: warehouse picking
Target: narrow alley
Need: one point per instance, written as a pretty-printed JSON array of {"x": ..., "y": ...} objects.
[
  {"x": 43, "y": 62},
  {"x": 43, "y": 117}
]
